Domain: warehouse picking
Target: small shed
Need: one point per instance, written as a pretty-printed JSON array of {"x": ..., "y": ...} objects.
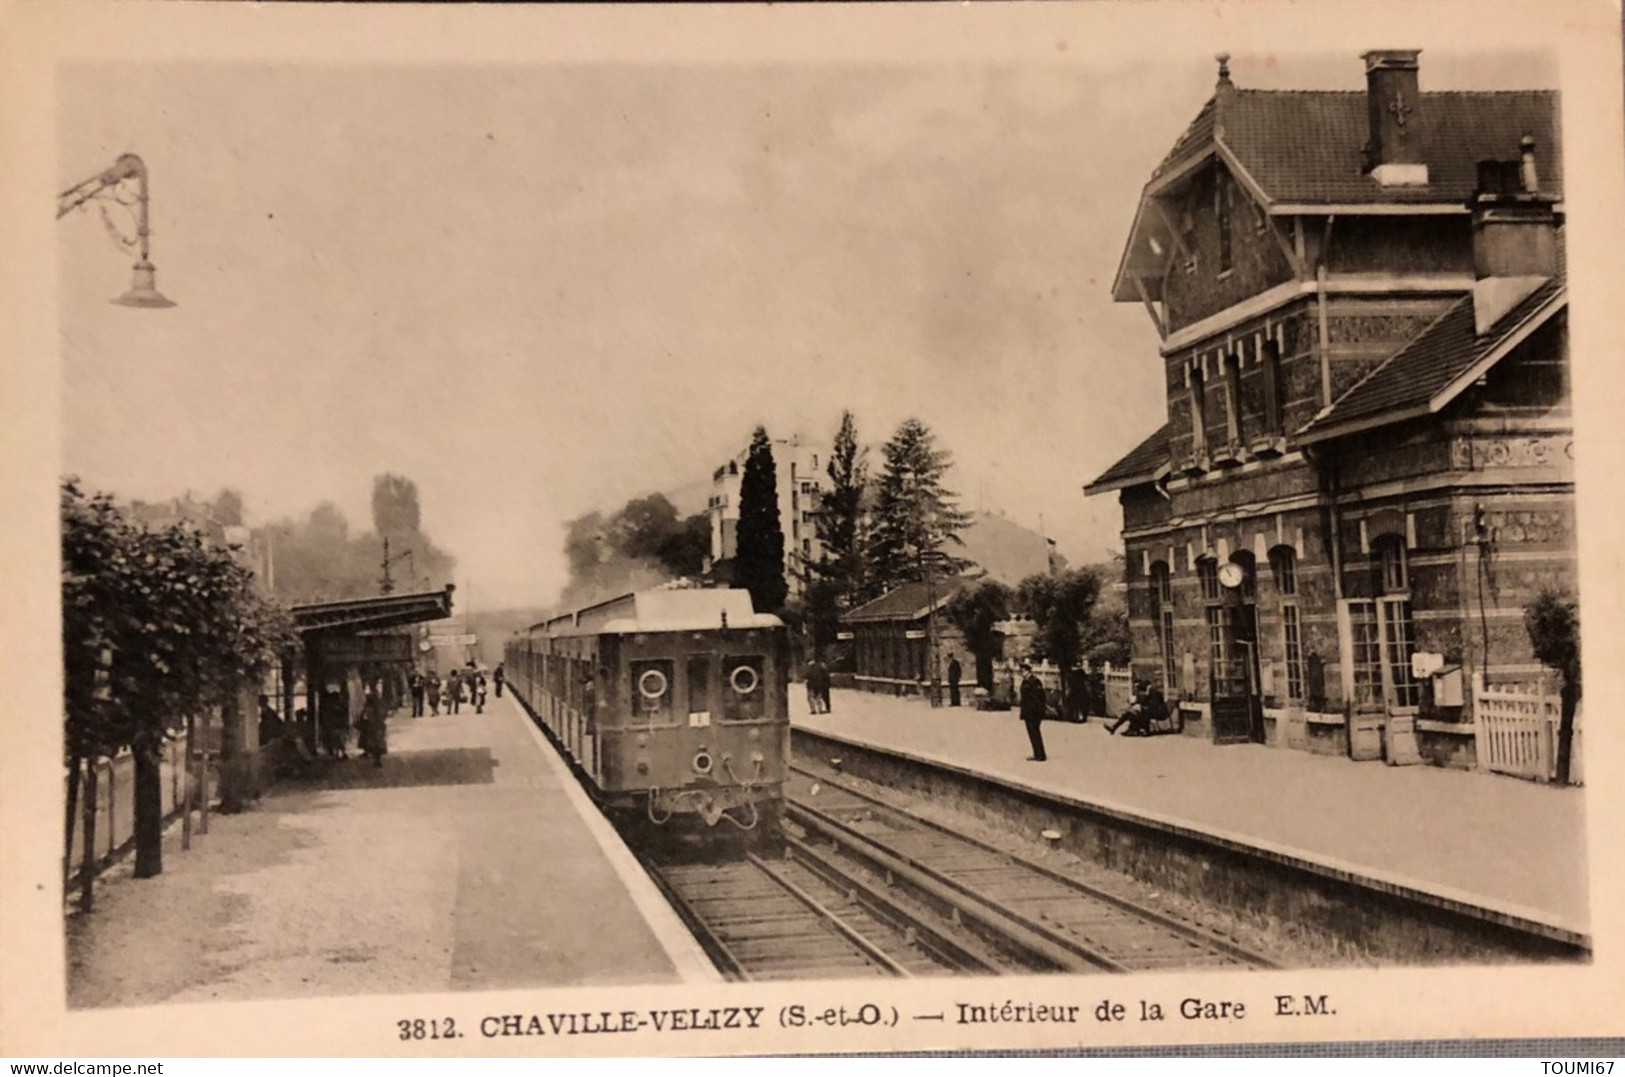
[{"x": 902, "y": 638}]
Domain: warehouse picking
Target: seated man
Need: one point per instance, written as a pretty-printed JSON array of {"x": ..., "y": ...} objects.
[{"x": 1149, "y": 706}]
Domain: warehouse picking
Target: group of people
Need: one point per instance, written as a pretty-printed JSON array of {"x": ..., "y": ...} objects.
[
  {"x": 289, "y": 743},
  {"x": 465, "y": 685},
  {"x": 1149, "y": 706}
]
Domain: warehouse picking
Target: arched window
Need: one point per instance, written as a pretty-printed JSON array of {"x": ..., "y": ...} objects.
[{"x": 1249, "y": 574}]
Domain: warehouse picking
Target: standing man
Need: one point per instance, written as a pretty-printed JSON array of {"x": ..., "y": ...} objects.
[
  {"x": 415, "y": 683},
  {"x": 454, "y": 685},
  {"x": 1032, "y": 711},
  {"x": 431, "y": 687},
  {"x": 953, "y": 680},
  {"x": 497, "y": 678}
]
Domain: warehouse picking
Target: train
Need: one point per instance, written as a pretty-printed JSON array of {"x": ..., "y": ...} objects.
[{"x": 672, "y": 706}]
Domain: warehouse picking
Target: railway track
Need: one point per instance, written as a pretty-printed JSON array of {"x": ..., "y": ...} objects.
[
  {"x": 1037, "y": 918},
  {"x": 865, "y": 889},
  {"x": 802, "y": 917}
]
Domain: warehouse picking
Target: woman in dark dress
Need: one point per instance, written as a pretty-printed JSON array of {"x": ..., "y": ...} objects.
[{"x": 374, "y": 730}]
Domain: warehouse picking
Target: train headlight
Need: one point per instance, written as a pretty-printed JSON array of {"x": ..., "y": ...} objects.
[{"x": 702, "y": 762}]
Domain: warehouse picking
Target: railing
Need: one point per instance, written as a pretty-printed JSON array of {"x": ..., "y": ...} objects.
[
  {"x": 1516, "y": 727},
  {"x": 115, "y": 803}
]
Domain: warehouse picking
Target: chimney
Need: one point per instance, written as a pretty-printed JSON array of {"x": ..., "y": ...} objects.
[
  {"x": 1393, "y": 154},
  {"x": 1514, "y": 235}
]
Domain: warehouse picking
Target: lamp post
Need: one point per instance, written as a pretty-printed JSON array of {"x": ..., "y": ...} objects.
[{"x": 143, "y": 291}]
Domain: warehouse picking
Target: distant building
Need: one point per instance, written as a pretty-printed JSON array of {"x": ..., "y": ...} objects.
[
  {"x": 1365, "y": 468},
  {"x": 895, "y": 638},
  {"x": 799, "y": 480}
]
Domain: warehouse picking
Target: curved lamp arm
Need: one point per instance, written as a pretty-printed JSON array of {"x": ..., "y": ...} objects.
[{"x": 144, "y": 290}]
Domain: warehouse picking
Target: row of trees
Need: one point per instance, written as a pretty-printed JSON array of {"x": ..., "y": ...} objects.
[
  {"x": 901, "y": 526},
  {"x": 319, "y": 559},
  {"x": 158, "y": 627}
]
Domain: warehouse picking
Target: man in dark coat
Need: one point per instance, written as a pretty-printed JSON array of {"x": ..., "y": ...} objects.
[
  {"x": 1032, "y": 711},
  {"x": 415, "y": 683},
  {"x": 953, "y": 680},
  {"x": 498, "y": 676}
]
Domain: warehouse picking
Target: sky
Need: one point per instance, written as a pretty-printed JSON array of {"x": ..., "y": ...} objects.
[{"x": 542, "y": 290}]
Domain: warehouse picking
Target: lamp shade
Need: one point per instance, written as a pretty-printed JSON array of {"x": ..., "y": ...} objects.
[{"x": 144, "y": 290}]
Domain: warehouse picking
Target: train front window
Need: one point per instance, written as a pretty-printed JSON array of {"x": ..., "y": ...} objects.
[
  {"x": 699, "y": 691},
  {"x": 652, "y": 690},
  {"x": 744, "y": 691}
]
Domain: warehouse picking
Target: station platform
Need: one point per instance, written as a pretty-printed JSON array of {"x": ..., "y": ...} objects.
[
  {"x": 471, "y": 860},
  {"x": 1485, "y": 839}
]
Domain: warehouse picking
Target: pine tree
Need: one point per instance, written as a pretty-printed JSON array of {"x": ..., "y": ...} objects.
[
  {"x": 759, "y": 560},
  {"x": 916, "y": 518},
  {"x": 840, "y": 520}
]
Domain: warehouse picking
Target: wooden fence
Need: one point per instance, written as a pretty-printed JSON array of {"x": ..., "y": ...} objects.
[
  {"x": 1516, "y": 729},
  {"x": 115, "y": 803}
]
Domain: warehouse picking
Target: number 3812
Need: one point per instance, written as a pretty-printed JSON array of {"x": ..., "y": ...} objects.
[{"x": 419, "y": 1029}]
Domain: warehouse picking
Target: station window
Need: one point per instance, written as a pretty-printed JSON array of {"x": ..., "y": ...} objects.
[
  {"x": 1271, "y": 356},
  {"x": 1198, "y": 409},
  {"x": 1162, "y": 614},
  {"x": 1367, "y": 650},
  {"x": 1391, "y": 568},
  {"x": 1221, "y": 208},
  {"x": 1284, "y": 565},
  {"x": 1232, "y": 398},
  {"x": 1207, "y": 573}
]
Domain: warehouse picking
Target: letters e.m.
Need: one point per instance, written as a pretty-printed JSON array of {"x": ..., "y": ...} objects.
[{"x": 1302, "y": 1006}]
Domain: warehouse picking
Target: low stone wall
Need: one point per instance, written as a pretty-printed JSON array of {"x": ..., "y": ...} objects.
[{"x": 1375, "y": 918}]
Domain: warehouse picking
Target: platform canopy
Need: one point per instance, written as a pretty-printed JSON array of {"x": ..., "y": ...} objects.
[{"x": 372, "y": 613}]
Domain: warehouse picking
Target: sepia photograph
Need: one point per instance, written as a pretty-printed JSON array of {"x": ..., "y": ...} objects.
[{"x": 577, "y": 532}]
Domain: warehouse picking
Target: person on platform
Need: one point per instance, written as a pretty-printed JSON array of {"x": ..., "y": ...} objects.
[
  {"x": 476, "y": 691},
  {"x": 953, "y": 680},
  {"x": 1148, "y": 706},
  {"x": 431, "y": 688},
  {"x": 334, "y": 716},
  {"x": 416, "y": 685},
  {"x": 270, "y": 724},
  {"x": 454, "y": 691},
  {"x": 1032, "y": 711},
  {"x": 374, "y": 728},
  {"x": 498, "y": 678}
]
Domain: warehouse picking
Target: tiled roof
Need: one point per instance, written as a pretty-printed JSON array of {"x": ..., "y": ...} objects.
[
  {"x": 1141, "y": 463},
  {"x": 907, "y": 602},
  {"x": 1306, "y": 146},
  {"x": 1409, "y": 381},
  {"x": 1196, "y": 140}
]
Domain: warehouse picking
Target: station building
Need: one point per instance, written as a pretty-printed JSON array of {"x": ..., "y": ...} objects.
[{"x": 1365, "y": 468}]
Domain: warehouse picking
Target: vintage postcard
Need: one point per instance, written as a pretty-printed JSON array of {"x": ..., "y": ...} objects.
[{"x": 608, "y": 531}]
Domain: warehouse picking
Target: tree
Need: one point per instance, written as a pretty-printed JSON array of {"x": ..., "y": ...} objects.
[
  {"x": 1107, "y": 637},
  {"x": 916, "y": 518},
  {"x": 228, "y": 508},
  {"x": 974, "y": 611},
  {"x": 1060, "y": 606},
  {"x": 157, "y": 627},
  {"x": 840, "y": 520},
  {"x": 759, "y": 560},
  {"x": 684, "y": 551},
  {"x": 395, "y": 511},
  {"x": 1553, "y": 623}
]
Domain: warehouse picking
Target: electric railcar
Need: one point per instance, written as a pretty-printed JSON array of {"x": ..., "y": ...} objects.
[{"x": 673, "y": 705}]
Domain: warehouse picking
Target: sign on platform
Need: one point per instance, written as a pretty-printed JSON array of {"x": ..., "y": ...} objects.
[{"x": 453, "y": 641}]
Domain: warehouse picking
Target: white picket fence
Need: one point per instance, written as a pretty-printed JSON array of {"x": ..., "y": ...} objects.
[{"x": 1516, "y": 729}]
